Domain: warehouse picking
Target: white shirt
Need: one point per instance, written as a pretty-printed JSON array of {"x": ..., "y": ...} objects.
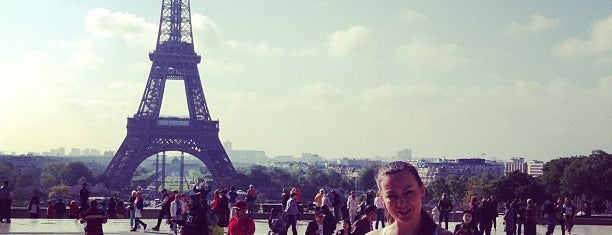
[
  {"x": 378, "y": 202},
  {"x": 351, "y": 203}
]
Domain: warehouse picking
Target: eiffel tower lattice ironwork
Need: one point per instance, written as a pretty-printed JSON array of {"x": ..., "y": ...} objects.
[{"x": 174, "y": 58}]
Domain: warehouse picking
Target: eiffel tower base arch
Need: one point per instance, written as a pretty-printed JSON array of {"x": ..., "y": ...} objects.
[{"x": 147, "y": 137}]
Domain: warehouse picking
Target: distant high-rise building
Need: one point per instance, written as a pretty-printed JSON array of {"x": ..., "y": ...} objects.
[
  {"x": 309, "y": 157},
  {"x": 516, "y": 164},
  {"x": 61, "y": 151},
  {"x": 75, "y": 152},
  {"x": 405, "y": 155},
  {"x": 535, "y": 168}
]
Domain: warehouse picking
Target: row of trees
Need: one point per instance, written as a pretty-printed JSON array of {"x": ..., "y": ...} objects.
[
  {"x": 578, "y": 176},
  {"x": 572, "y": 176}
]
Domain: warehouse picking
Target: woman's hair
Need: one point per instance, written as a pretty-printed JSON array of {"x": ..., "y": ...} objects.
[{"x": 397, "y": 167}]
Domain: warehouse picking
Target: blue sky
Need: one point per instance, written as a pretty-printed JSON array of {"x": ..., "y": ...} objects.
[{"x": 336, "y": 78}]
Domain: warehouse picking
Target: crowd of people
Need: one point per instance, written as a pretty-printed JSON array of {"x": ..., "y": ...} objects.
[{"x": 397, "y": 206}]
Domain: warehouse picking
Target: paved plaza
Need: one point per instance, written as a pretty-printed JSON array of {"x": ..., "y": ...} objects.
[{"x": 121, "y": 226}]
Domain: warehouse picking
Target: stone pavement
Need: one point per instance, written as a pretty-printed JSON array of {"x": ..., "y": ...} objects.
[{"x": 121, "y": 226}]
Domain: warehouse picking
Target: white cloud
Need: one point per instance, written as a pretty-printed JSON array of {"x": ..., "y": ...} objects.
[
  {"x": 599, "y": 43},
  {"x": 411, "y": 16},
  {"x": 205, "y": 29},
  {"x": 536, "y": 24},
  {"x": 605, "y": 89},
  {"x": 344, "y": 42},
  {"x": 103, "y": 23},
  {"x": 422, "y": 55},
  {"x": 221, "y": 66},
  {"x": 261, "y": 48}
]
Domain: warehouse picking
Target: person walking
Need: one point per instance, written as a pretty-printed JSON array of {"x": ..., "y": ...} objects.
[
  {"x": 445, "y": 206},
  {"x": 337, "y": 205},
  {"x": 318, "y": 199},
  {"x": 232, "y": 197},
  {"x": 509, "y": 220},
  {"x": 569, "y": 210},
  {"x": 5, "y": 202},
  {"x": 486, "y": 217},
  {"x": 241, "y": 223},
  {"x": 112, "y": 208},
  {"x": 138, "y": 206},
  {"x": 496, "y": 212},
  {"x": 251, "y": 196},
  {"x": 285, "y": 195},
  {"x": 329, "y": 221},
  {"x": 548, "y": 211},
  {"x": 165, "y": 208},
  {"x": 380, "y": 210},
  {"x": 93, "y": 218},
  {"x": 222, "y": 209},
  {"x": 531, "y": 217},
  {"x": 131, "y": 209},
  {"x": 291, "y": 213},
  {"x": 177, "y": 210},
  {"x": 351, "y": 205},
  {"x": 559, "y": 214},
  {"x": 474, "y": 207}
]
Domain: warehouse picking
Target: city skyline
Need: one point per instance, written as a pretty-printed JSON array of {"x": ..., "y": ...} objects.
[{"x": 358, "y": 79}]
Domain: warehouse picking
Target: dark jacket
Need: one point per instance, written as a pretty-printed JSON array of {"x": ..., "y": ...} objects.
[{"x": 312, "y": 228}]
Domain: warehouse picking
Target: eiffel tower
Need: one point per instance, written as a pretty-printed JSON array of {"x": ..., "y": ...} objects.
[{"x": 174, "y": 58}]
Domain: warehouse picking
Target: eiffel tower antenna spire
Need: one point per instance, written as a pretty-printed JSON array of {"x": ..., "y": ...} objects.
[{"x": 174, "y": 58}]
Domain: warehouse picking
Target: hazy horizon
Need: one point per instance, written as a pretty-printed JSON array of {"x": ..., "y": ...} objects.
[{"x": 359, "y": 78}]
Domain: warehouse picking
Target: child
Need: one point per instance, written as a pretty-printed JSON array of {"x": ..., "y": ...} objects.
[{"x": 466, "y": 227}]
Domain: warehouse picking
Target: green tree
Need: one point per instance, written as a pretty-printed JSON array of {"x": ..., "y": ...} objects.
[
  {"x": 553, "y": 171},
  {"x": 456, "y": 187},
  {"x": 53, "y": 174},
  {"x": 588, "y": 175},
  {"x": 60, "y": 191},
  {"x": 335, "y": 178},
  {"x": 65, "y": 174},
  {"x": 7, "y": 173},
  {"x": 365, "y": 180},
  {"x": 76, "y": 171},
  {"x": 480, "y": 186},
  {"x": 517, "y": 185},
  {"x": 436, "y": 188}
]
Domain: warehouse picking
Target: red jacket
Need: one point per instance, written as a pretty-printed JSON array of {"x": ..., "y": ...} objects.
[{"x": 242, "y": 225}]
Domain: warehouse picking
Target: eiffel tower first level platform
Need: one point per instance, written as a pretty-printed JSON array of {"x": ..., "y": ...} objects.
[
  {"x": 146, "y": 137},
  {"x": 174, "y": 58}
]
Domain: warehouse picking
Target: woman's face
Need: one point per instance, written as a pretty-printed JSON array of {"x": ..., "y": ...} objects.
[
  {"x": 467, "y": 218},
  {"x": 402, "y": 196},
  {"x": 345, "y": 224}
]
